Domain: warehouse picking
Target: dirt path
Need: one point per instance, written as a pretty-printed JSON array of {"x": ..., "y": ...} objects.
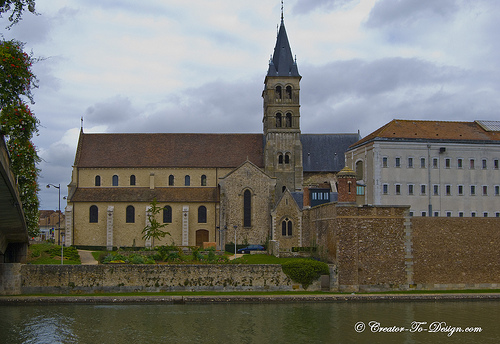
[{"x": 86, "y": 258}]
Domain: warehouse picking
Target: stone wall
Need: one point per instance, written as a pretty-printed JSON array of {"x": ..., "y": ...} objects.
[
  {"x": 381, "y": 248},
  {"x": 10, "y": 279},
  {"x": 74, "y": 279},
  {"x": 456, "y": 252}
]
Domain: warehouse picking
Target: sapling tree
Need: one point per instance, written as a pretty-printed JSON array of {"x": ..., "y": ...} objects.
[{"x": 153, "y": 229}]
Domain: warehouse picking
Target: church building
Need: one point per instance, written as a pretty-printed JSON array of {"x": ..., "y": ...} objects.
[{"x": 211, "y": 187}]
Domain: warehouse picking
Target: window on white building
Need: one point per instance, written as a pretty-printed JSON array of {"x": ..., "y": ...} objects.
[
  {"x": 385, "y": 189},
  {"x": 460, "y": 163},
  {"x": 384, "y": 161},
  {"x": 410, "y": 162},
  {"x": 484, "y": 164},
  {"x": 410, "y": 189},
  {"x": 472, "y": 190},
  {"x": 398, "y": 162},
  {"x": 435, "y": 191},
  {"x": 422, "y": 189},
  {"x": 435, "y": 163},
  {"x": 447, "y": 163},
  {"x": 460, "y": 190},
  {"x": 422, "y": 163},
  {"x": 398, "y": 189},
  {"x": 448, "y": 190}
]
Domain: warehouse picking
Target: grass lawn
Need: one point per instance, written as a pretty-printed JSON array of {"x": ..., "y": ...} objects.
[
  {"x": 46, "y": 253},
  {"x": 261, "y": 259}
]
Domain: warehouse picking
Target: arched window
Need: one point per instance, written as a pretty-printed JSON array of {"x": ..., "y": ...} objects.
[
  {"x": 280, "y": 159},
  {"x": 203, "y": 180},
  {"x": 167, "y": 214},
  {"x": 187, "y": 180},
  {"x": 359, "y": 170},
  {"x": 283, "y": 189},
  {"x": 97, "y": 180},
  {"x": 288, "y": 123},
  {"x": 93, "y": 214},
  {"x": 202, "y": 214},
  {"x": 278, "y": 120},
  {"x": 286, "y": 227},
  {"x": 171, "y": 180},
  {"x": 115, "y": 180},
  {"x": 132, "y": 180},
  {"x": 247, "y": 208},
  {"x": 289, "y": 92},
  {"x": 130, "y": 214},
  {"x": 278, "y": 92},
  {"x": 287, "y": 158}
]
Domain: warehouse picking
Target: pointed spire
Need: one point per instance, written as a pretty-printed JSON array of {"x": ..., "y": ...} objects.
[{"x": 283, "y": 63}]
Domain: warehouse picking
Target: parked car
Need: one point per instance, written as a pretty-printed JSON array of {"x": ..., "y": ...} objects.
[{"x": 251, "y": 248}]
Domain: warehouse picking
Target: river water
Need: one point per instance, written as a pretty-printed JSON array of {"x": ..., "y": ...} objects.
[{"x": 345, "y": 322}]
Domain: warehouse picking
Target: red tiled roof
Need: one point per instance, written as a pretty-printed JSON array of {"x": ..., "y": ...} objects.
[
  {"x": 170, "y": 194},
  {"x": 431, "y": 130},
  {"x": 168, "y": 150}
]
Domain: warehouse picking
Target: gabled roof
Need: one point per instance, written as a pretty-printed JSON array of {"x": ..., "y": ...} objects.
[
  {"x": 168, "y": 150},
  {"x": 325, "y": 152},
  {"x": 413, "y": 130},
  {"x": 282, "y": 62}
]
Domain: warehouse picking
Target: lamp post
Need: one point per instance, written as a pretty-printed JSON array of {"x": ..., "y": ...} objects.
[
  {"x": 235, "y": 226},
  {"x": 58, "y": 187}
]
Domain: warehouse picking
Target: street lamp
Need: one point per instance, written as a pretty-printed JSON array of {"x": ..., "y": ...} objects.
[
  {"x": 58, "y": 187},
  {"x": 235, "y": 226}
]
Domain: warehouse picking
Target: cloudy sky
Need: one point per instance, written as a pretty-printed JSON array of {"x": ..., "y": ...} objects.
[{"x": 199, "y": 66}]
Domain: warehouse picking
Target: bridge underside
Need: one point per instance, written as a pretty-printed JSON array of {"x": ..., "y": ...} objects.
[{"x": 13, "y": 230}]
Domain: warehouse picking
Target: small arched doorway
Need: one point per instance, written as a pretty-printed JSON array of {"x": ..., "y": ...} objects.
[{"x": 201, "y": 237}]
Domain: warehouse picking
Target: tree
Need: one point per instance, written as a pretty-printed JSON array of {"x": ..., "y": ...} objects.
[
  {"x": 16, "y": 8},
  {"x": 19, "y": 124},
  {"x": 153, "y": 228}
]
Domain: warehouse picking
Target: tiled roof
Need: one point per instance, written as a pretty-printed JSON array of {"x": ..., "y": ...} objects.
[
  {"x": 325, "y": 152},
  {"x": 170, "y": 194},
  {"x": 168, "y": 150},
  {"x": 412, "y": 130}
]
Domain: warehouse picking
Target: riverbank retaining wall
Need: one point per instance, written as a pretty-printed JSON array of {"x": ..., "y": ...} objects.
[
  {"x": 111, "y": 278},
  {"x": 379, "y": 248}
]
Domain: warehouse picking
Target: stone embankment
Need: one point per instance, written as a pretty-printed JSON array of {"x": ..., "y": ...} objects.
[{"x": 194, "y": 299}]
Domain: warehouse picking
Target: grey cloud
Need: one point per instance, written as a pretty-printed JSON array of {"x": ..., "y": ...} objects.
[
  {"x": 306, "y": 6},
  {"x": 392, "y": 13},
  {"x": 111, "y": 111},
  {"x": 214, "y": 107},
  {"x": 364, "y": 79}
]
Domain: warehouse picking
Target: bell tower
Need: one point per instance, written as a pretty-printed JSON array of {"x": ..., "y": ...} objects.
[{"x": 281, "y": 121}]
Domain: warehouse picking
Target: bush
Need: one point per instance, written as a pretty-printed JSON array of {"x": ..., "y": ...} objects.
[{"x": 304, "y": 271}]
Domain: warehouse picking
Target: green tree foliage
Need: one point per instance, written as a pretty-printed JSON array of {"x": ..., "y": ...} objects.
[
  {"x": 16, "y": 8},
  {"x": 19, "y": 124},
  {"x": 304, "y": 271},
  {"x": 153, "y": 229}
]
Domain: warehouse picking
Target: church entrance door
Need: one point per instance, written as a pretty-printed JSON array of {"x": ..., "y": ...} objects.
[{"x": 201, "y": 237}]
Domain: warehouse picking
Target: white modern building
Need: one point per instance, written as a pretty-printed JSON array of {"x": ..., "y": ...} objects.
[{"x": 438, "y": 168}]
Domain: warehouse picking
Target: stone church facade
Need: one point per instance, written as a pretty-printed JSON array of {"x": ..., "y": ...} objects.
[{"x": 211, "y": 187}]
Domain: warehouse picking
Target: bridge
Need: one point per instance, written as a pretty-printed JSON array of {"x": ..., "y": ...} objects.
[{"x": 13, "y": 229}]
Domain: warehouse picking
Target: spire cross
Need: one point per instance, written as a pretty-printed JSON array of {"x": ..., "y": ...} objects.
[{"x": 281, "y": 10}]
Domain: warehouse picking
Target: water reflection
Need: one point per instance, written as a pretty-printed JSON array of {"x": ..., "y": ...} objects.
[{"x": 245, "y": 323}]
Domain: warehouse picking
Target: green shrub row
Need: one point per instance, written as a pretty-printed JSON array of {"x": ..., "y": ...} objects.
[{"x": 305, "y": 271}]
